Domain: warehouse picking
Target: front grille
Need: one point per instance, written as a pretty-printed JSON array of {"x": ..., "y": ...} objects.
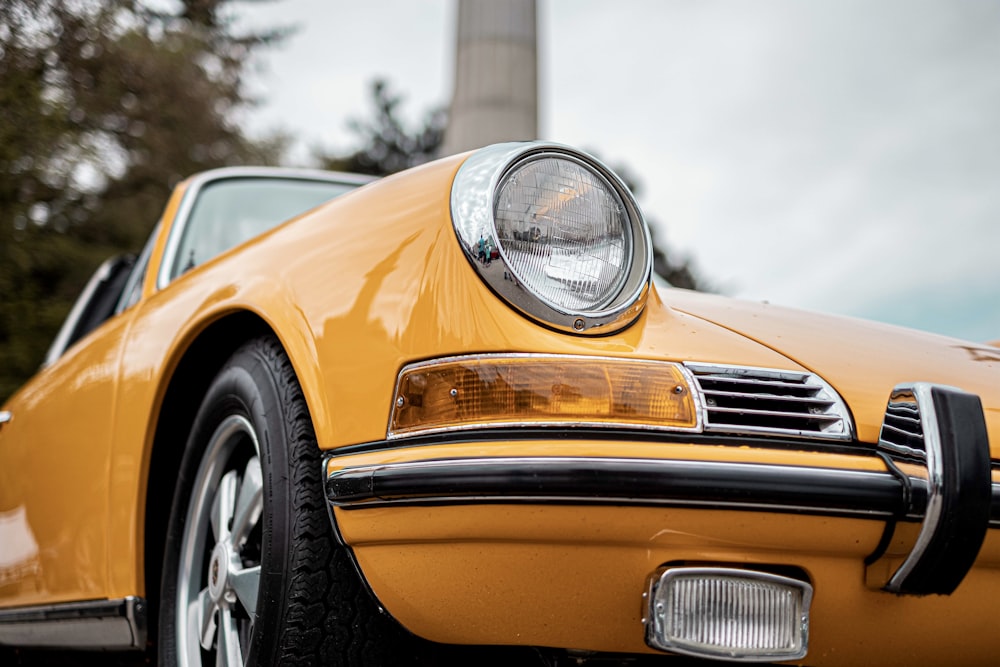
[
  {"x": 902, "y": 431},
  {"x": 753, "y": 400}
]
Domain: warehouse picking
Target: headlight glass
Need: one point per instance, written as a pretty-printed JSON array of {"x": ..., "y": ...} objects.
[
  {"x": 555, "y": 234},
  {"x": 565, "y": 232}
]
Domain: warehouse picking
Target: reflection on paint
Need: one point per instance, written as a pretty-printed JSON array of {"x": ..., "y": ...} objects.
[{"x": 19, "y": 559}]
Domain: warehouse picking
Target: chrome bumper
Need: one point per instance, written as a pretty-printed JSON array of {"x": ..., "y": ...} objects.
[{"x": 941, "y": 480}]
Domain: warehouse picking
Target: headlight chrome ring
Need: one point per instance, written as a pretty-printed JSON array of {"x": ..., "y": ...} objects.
[{"x": 555, "y": 233}]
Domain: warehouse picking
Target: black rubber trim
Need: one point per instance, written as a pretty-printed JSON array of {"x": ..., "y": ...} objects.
[
  {"x": 890, "y": 526},
  {"x": 569, "y": 432},
  {"x": 995, "y": 507},
  {"x": 968, "y": 491},
  {"x": 52, "y": 625},
  {"x": 712, "y": 484},
  {"x": 64, "y": 611}
]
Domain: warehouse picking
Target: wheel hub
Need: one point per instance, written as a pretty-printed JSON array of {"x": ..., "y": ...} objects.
[
  {"x": 216, "y": 598},
  {"x": 218, "y": 572}
]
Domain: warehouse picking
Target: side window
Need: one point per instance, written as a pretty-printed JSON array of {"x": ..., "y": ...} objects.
[
  {"x": 95, "y": 304},
  {"x": 116, "y": 285},
  {"x": 133, "y": 287},
  {"x": 231, "y": 211}
]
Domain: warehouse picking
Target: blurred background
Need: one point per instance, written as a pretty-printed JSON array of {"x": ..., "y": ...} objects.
[{"x": 835, "y": 155}]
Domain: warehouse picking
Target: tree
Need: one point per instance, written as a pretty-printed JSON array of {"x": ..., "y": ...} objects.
[
  {"x": 387, "y": 146},
  {"x": 104, "y": 106},
  {"x": 678, "y": 271}
]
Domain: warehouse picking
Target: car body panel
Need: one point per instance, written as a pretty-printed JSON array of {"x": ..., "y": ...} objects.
[
  {"x": 571, "y": 572},
  {"x": 374, "y": 280},
  {"x": 573, "y": 576},
  {"x": 349, "y": 314},
  {"x": 878, "y": 356},
  {"x": 65, "y": 500}
]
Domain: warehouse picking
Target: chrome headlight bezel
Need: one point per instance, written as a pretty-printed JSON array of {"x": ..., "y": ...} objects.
[{"x": 473, "y": 202}]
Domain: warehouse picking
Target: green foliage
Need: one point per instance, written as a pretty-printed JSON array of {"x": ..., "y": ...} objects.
[
  {"x": 677, "y": 270},
  {"x": 104, "y": 106},
  {"x": 387, "y": 146}
]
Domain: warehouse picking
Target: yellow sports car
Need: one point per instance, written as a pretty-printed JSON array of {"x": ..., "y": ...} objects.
[{"x": 447, "y": 417}]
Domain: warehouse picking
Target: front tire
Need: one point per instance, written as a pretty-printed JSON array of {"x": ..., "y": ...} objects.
[{"x": 252, "y": 574}]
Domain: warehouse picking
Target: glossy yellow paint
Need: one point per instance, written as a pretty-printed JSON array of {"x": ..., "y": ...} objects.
[
  {"x": 56, "y": 465},
  {"x": 65, "y": 462},
  {"x": 376, "y": 280},
  {"x": 862, "y": 360},
  {"x": 574, "y": 576}
]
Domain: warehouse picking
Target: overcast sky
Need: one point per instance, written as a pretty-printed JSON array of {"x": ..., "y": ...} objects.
[{"x": 835, "y": 155}]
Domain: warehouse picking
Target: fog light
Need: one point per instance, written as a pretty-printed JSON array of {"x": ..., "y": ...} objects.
[{"x": 734, "y": 614}]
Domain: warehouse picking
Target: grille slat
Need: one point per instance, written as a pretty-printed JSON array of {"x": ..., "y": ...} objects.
[
  {"x": 890, "y": 432},
  {"x": 737, "y": 399},
  {"x": 762, "y": 386},
  {"x": 777, "y": 414},
  {"x": 764, "y": 397},
  {"x": 905, "y": 424},
  {"x": 902, "y": 430}
]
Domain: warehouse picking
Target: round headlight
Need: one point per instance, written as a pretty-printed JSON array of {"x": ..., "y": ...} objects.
[
  {"x": 564, "y": 232},
  {"x": 555, "y": 233}
]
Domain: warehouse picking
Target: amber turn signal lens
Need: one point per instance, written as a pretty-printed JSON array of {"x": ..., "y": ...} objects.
[{"x": 531, "y": 390}]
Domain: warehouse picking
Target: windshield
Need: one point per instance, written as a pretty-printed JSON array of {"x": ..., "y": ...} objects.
[{"x": 231, "y": 211}]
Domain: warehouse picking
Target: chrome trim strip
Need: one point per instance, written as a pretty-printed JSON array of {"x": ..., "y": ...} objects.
[
  {"x": 935, "y": 482},
  {"x": 473, "y": 195},
  {"x": 776, "y": 413},
  {"x": 954, "y": 475},
  {"x": 902, "y": 451},
  {"x": 711, "y": 484},
  {"x": 94, "y": 624},
  {"x": 205, "y": 178},
  {"x": 692, "y": 388}
]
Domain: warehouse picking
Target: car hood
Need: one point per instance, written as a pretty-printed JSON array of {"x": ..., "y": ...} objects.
[{"x": 863, "y": 360}]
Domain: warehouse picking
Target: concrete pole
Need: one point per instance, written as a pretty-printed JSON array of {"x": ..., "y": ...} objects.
[{"x": 496, "y": 75}]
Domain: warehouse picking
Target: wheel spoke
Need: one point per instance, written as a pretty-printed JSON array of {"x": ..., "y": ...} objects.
[
  {"x": 228, "y": 653},
  {"x": 249, "y": 504},
  {"x": 205, "y": 610},
  {"x": 245, "y": 583},
  {"x": 222, "y": 508}
]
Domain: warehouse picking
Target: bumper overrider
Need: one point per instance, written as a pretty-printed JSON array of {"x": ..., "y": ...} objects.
[{"x": 932, "y": 491}]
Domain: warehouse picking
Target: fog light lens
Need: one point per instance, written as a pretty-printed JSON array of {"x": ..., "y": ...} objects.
[{"x": 728, "y": 613}]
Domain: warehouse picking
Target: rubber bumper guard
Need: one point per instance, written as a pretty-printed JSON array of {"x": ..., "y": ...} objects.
[{"x": 941, "y": 432}]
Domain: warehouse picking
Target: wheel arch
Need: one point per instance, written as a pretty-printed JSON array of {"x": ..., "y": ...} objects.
[{"x": 182, "y": 394}]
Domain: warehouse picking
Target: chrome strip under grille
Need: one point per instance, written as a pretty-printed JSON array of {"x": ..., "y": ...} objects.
[{"x": 735, "y": 399}]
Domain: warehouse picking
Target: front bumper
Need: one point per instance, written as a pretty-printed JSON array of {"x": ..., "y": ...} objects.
[
  {"x": 632, "y": 481},
  {"x": 507, "y": 540}
]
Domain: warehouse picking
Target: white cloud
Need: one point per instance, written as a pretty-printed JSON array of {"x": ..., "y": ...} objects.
[{"x": 836, "y": 154}]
